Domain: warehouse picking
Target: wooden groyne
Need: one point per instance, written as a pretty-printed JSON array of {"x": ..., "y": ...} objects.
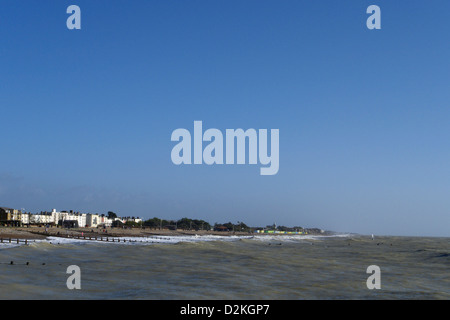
[
  {"x": 18, "y": 241},
  {"x": 88, "y": 238}
]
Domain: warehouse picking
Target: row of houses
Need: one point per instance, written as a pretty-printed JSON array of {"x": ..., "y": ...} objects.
[{"x": 71, "y": 219}]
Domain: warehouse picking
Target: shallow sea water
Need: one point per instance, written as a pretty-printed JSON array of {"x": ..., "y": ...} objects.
[{"x": 208, "y": 267}]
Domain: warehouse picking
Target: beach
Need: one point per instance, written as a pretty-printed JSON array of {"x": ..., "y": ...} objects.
[
  {"x": 42, "y": 232},
  {"x": 21, "y": 233}
]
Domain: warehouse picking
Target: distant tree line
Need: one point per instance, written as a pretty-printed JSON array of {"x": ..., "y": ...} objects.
[
  {"x": 182, "y": 224},
  {"x": 197, "y": 224},
  {"x": 238, "y": 227},
  {"x": 194, "y": 224},
  {"x": 284, "y": 228}
]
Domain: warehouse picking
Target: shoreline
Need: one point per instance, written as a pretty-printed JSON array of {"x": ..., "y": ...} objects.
[{"x": 40, "y": 233}]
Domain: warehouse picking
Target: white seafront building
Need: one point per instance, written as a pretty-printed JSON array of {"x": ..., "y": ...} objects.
[
  {"x": 79, "y": 218},
  {"x": 41, "y": 218},
  {"x": 58, "y": 218},
  {"x": 92, "y": 220},
  {"x": 104, "y": 221},
  {"x": 25, "y": 218},
  {"x": 130, "y": 219},
  {"x": 61, "y": 218}
]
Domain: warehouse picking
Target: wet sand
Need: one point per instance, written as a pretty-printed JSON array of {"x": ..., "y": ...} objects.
[
  {"x": 42, "y": 233},
  {"x": 19, "y": 233}
]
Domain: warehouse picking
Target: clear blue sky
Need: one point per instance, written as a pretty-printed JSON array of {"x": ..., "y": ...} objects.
[{"x": 363, "y": 115}]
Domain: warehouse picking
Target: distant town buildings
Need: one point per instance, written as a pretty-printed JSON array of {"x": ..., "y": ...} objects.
[
  {"x": 70, "y": 219},
  {"x": 12, "y": 216}
]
